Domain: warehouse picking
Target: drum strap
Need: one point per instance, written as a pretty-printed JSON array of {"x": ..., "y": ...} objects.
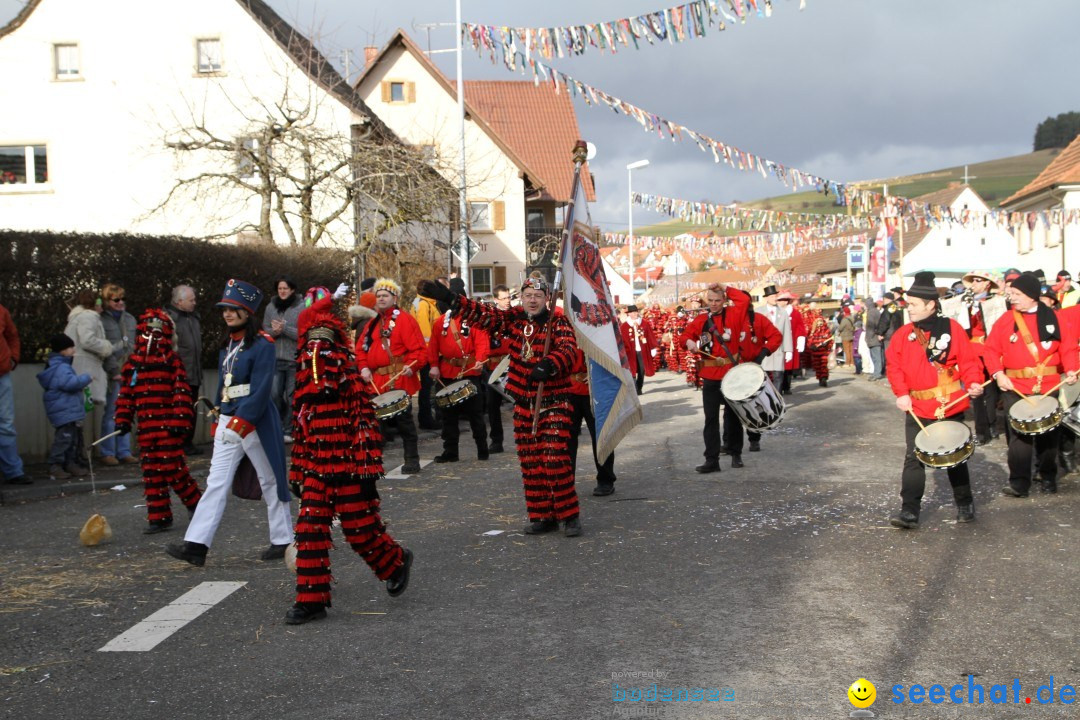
[{"x": 710, "y": 327}]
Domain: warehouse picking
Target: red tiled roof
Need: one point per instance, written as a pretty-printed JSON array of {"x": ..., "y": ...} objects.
[
  {"x": 540, "y": 125},
  {"x": 1063, "y": 170}
]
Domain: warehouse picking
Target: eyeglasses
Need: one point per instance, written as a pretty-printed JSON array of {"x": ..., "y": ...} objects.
[{"x": 116, "y": 300}]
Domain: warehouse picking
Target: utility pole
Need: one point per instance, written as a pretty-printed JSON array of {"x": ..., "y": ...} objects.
[{"x": 345, "y": 57}]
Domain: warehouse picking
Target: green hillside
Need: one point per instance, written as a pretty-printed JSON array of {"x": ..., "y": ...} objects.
[{"x": 994, "y": 180}]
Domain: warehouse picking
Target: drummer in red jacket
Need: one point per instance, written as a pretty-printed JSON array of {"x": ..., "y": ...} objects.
[
  {"x": 641, "y": 346},
  {"x": 1025, "y": 352},
  {"x": 457, "y": 352},
  {"x": 763, "y": 340},
  {"x": 389, "y": 352},
  {"x": 717, "y": 335},
  {"x": 931, "y": 363}
]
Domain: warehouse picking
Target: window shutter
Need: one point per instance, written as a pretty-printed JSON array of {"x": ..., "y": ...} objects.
[
  {"x": 385, "y": 91},
  {"x": 410, "y": 92},
  {"x": 499, "y": 222},
  {"x": 499, "y": 271}
]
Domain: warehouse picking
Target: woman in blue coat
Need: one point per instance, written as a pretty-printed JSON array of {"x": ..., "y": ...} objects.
[{"x": 248, "y": 425}]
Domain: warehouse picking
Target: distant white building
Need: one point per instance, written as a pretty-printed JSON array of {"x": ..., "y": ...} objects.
[
  {"x": 94, "y": 91},
  {"x": 1042, "y": 244}
]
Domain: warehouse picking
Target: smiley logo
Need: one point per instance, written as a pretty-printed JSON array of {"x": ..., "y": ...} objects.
[{"x": 862, "y": 693}]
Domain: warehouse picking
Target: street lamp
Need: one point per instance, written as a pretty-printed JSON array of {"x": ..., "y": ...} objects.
[{"x": 630, "y": 194}]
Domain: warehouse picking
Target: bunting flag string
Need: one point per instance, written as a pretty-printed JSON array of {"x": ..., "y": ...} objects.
[
  {"x": 672, "y": 25},
  {"x": 756, "y": 247},
  {"x": 917, "y": 216}
]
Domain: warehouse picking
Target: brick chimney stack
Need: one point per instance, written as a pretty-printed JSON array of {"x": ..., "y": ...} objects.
[{"x": 369, "y": 55}]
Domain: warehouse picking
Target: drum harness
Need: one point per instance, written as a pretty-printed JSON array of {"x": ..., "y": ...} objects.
[
  {"x": 947, "y": 382},
  {"x": 710, "y": 330},
  {"x": 1040, "y": 369}
]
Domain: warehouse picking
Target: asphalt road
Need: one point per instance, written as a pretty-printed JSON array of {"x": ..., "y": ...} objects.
[{"x": 778, "y": 585}]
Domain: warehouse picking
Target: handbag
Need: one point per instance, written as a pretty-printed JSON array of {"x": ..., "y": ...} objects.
[{"x": 245, "y": 482}]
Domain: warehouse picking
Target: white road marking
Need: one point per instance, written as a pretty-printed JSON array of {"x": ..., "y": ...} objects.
[
  {"x": 396, "y": 473},
  {"x": 146, "y": 635}
]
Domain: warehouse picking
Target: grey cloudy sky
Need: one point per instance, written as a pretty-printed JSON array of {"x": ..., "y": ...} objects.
[{"x": 845, "y": 89}]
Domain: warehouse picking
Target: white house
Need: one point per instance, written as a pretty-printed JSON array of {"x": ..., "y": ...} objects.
[
  {"x": 519, "y": 140},
  {"x": 101, "y": 98},
  {"x": 951, "y": 250},
  {"x": 1047, "y": 245}
]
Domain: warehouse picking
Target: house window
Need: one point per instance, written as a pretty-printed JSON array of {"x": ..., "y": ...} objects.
[
  {"x": 982, "y": 241},
  {"x": 208, "y": 55},
  {"x": 397, "y": 92},
  {"x": 245, "y": 157},
  {"x": 948, "y": 242},
  {"x": 23, "y": 165},
  {"x": 480, "y": 216},
  {"x": 66, "y": 60},
  {"x": 481, "y": 280},
  {"x": 534, "y": 218}
]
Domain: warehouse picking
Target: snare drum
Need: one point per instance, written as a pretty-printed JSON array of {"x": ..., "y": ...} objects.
[
  {"x": 497, "y": 381},
  {"x": 753, "y": 397},
  {"x": 455, "y": 393},
  {"x": 1069, "y": 395},
  {"x": 1040, "y": 415},
  {"x": 390, "y": 404},
  {"x": 944, "y": 444}
]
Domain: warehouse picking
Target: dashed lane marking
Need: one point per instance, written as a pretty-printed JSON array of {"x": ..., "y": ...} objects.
[
  {"x": 152, "y": 631},
  {"x": 396, "y": 473}
]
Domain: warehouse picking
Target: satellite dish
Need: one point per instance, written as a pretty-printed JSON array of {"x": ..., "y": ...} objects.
[{"x": 590, "y": 151}]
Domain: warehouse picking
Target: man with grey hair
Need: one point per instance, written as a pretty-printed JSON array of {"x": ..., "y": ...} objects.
[{"x": 187, "y": 341}]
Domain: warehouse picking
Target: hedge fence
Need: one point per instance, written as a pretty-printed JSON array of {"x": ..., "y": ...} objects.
[{"x": 40, "y": 273}]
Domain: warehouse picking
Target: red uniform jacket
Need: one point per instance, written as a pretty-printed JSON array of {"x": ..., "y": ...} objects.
[
  {"x": 732, "y": 322},
  {"x": 407, "y": 347},
  {"x": 798, "y": 330},
  {"x": 911, "y": 372},
  {"x": 647, "y": 338},
  {"x": 1006, "y": 351},
  {"x": 763, "y": 335},
  {"x": 456, "y": 355},
  {"x": 579, "y": 375}
]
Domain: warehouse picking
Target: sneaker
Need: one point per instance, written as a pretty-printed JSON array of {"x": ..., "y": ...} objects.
[
  {"x": 572, "y": 527},
  {"x": 396, "y": 583},
  {"x": 109, "y": 460},
  {"x": 57, "y": 472},
  {"x": 75, "y": 470},
  {"x": 130, "y": 460},
  {"x": 301, "y": 613}
]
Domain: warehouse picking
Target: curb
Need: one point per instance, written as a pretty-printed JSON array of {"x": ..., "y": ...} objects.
[{"x": 46, "y": 489}]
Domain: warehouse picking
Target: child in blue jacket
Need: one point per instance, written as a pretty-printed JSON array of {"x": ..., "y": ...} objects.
[{"x": 65, "y": 404}]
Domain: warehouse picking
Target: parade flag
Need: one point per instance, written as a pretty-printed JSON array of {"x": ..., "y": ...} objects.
[{"x": 587, "y": 301}]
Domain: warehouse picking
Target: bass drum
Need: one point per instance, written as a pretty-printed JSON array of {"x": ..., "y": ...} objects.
[
  {"x": 944, "y": 444},
  {"x": 753, "y": 397},
  {"x": 499, "y": 374}
]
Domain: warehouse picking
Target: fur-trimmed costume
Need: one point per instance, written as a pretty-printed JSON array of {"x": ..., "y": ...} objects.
[
  {"x": 336, "y": 458},
  {"x": 547, "y": 473},
  {"x": 154, "y": 392}
]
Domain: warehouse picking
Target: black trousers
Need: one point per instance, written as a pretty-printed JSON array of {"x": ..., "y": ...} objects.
[
  {"x": 582, "y": 410},
  {"x": 711, "y": 399},
  {"x": 984, "y": 408},
  {"x": 427, "y": 412},
  {"x": 406, "y": 428},
  {"x": 639, "y": 381},
  {"x": 493, "y": 403},
  {"x": 189, "y": 436},
  {"x": 473, "y": 411},
  {"x": 913, "y": 477},
  {"x": 1022, "y": 448}
]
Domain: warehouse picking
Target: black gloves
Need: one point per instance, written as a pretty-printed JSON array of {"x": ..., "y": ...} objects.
[
  {"x": 123, "y": 428},
  {"x": 544, "y": 370},
  {"x": 437, "y": 292},
  {"x": 761, "y": 356}
]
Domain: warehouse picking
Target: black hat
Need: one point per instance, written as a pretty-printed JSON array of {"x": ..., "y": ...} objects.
[
  {"x": 678, "y": 308},
  {"x": 632, "y": 308},
  {"x": 898, "y": 290},
  {"x": 60, "y": 341},
  {"x": 888, "y": 296},
  {"x": 457, "y": 286},
  {"x": 1064, "y": 275},
  {"x": 1028, "y": 284},
  {"x": 924, "y": 286},
  {"x": 367, "y": 284},
  {"x": 1051, "y": 295},
  {"x": 769, "y": 290}
]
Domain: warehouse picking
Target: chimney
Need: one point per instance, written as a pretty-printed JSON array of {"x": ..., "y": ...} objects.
[{"x": 369, "y": 55}]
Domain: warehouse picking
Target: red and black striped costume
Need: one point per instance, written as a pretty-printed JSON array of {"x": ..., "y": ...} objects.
[
  {"x": 819, "y": 340},
  {"x": 673, "y": 354},
  {"x": 154, "y": 392},
  {"x": 336, "y": 458},
  {"x": 546, "y": 470}
]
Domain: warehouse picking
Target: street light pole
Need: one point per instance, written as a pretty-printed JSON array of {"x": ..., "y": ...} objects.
[
  {"x": 463, "y": 208},
  {"x": 630, "y": 196}
]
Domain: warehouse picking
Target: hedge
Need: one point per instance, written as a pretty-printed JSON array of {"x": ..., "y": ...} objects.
[{"x": 40, "y": 273}]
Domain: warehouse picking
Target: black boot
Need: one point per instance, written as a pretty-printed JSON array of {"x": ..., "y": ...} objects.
[
  {"x": 539, "y": 527},
  {"x": 157, "y": 526},
  {"x": 412, "y": 465},
  {"x": 495, "y": 447},
  {"x": 194, "y": 553},
  {"x": 905, "y": 520},
  {"x": 965, "y": 512},
  {"x": 274, "y": 552},
  {"x": 710, "y": 466},
  {"x": 572, "y": 527},
  {"x": 446, "y": 457},
  {"x": 301, "y": 613},
  {"x": 396, "y": 583}
]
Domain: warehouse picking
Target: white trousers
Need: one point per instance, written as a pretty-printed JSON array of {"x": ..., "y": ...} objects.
[{"x": 223, "y": 466}]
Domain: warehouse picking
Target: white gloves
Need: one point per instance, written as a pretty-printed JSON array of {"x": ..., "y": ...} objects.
[
  {"x": 788, "y": 355},
  {"x": 231, "y": 437},
  {"x": 800, "y": 343},
  {"x": 653, "y": 353},
  {"x": 342, "y": 291}
]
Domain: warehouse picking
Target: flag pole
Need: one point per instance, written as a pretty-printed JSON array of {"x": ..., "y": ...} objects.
[{"x": 580, "y": 154}]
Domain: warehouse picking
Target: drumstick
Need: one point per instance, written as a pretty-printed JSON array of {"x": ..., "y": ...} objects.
[
  {"x": 912, "y": 413},
  {"x": 1026, "y": 397},
  {"x": 963, "y": 396}
]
